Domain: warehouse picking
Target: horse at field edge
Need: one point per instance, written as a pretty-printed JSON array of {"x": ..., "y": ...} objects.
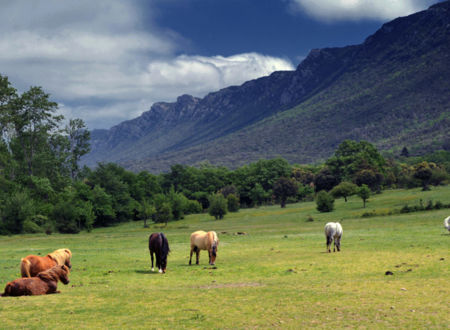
[
  {"x": 159, "y": 245},
  {"x": 201, "y": 240}
]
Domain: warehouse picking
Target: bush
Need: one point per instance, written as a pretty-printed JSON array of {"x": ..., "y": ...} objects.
[
  {"x": 18, "y": 208},
  {"x": 193, "y": 207},
  {"x": 233, "y": 203},
  {"x": 324, "y": 201},
  {"x": 217, "y": 206}
]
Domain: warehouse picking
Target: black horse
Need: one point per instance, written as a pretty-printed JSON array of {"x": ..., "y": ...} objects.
[{"x": 158, "y": 244}]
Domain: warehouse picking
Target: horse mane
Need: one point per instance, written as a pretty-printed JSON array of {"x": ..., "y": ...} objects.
[
  {"x": 164, "y": 245},
  {"x": 60, "y": 256},
  {"x": 54, "y": 273}
]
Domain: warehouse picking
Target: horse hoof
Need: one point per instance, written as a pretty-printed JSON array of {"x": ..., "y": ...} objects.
[
  {"x": 160, "y": 271},
  {"x": 153, "y": 269}
]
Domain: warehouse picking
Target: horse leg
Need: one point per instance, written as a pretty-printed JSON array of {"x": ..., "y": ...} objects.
[
  {"x": 158, "y": 262},
  {"x": 198, "y": 256},
  {"x": 338, "y": 244},
  {"x": 328, "y": 244},
  {"x": 151, "y": 255}
]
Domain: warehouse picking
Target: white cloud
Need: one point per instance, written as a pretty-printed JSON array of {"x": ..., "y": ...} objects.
[
  {"x": 96, "y": 59},
  {"x": 334, "y": 10}
]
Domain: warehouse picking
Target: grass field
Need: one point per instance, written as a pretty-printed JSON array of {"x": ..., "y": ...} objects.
[{"x": 277, "y": 275}]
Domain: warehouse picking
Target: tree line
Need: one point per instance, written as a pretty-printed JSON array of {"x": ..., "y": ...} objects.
[{"x": 43, "y": 188}]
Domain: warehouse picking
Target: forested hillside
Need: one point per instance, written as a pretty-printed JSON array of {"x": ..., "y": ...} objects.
[{"x": 392, "y": 90}]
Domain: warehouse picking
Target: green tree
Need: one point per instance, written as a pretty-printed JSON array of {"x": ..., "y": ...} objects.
[
  {"x": 217, "y": 206},
  {"x": 78, "y": 144},
  {"x": 364, "y": 193},
  {"x": 324, "y": 201},
  {"x": 283, "y": 189},
  {"x": 233, "y": 203},
  {"x": 423, "y": 172},
  {"x": 258, "y": 194},
  {"x": 344, "y": 189},
  {"x": 146, "y": 211},
  {"x": 352, "y": 157}
]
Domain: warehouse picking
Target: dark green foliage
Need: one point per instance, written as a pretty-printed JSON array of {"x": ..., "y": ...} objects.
[
  {"x": 18, "y": 209},
  {"x": 325, "y": 180},
  {"x": 193, "y": 207},
  {"x": 233, "y": 203},
  {"x": 146, "y": 211},
  {"x": 163, "y": 213},
  {"x": 324, "y": 201},
  {"x": 217, "y": 206},
  {"x": 284, "y": 188},
  {"x": 344, "y": 189},
  {"x": 364, "y": 193}
]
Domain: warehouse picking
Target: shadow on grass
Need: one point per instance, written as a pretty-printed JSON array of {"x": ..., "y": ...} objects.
[{"x": 140, "y": 271}]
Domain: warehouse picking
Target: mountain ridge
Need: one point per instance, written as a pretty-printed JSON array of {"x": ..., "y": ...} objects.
[{"x": 352, "y": 82}]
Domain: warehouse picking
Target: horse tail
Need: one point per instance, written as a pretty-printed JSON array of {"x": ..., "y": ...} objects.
[
  {"x": 25, "y": 266},
  {"x": 164, "y": 244}
]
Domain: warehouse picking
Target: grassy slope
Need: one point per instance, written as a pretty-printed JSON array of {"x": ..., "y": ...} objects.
[{"x": 277, "y": 275}]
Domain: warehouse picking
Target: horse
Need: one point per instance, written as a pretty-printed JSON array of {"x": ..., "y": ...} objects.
[
  {"x": 333, "y": 231},
  {"x": 32, "y": 265},
  {"x": 44, "y": 283},
  {"x": 447, "y": 223},
  {"x": 201, "y": 240},
  {"x": 158, "y": 244}
]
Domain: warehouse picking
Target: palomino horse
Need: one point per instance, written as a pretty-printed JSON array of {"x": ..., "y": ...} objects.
[
  {"x": 158, "y": 244},
  {"x": 333, "y": 231},
  {"x": 32, "y": 265},
  {"x": 44, "y": 283},
  {"x": 201, "y": 240}
]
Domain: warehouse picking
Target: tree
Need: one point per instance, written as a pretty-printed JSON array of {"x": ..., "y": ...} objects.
[
  {"x": 217, "y": 206},
  {"x": 352, "y": 157},
  {"x": 324, "y": 201},
  {"x": 423, "y": 172},
  {"x": 258, "y": 194},
  {"x": 232, "y": 203},
  {"x": 404, "y": 152},
  {"x": 325, "y": 180},
  {"x": 344, "y": 189},
  {"x": 283, "y": 189},
  {"x": 364, "y": 193},
  {"x": 163, "y": 213},
  {"x": 146, "y": 211},
  {"x": 78, "y": 143},
  {"x": 370, "y": 178}
]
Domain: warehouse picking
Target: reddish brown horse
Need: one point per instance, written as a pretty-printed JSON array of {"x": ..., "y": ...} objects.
[
  {"x": 44, "y": 283},
  {"x": 32, "y": 265},
  {"x": 201, "y": 240},
  {"x": 158, "y": 245}
]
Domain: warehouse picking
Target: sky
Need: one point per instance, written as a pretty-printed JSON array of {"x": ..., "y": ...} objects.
[{"x": 106, "y": 61}]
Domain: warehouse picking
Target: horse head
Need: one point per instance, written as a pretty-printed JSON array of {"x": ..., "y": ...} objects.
[{"x": 213, "y": 254}]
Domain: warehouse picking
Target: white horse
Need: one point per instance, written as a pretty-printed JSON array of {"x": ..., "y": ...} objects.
[
  {"x": 333, "y": 231},
  {"x": 447, "y": 223}
]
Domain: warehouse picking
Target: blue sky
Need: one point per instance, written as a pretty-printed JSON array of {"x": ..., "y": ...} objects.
[{"x": 106, "y": 61}]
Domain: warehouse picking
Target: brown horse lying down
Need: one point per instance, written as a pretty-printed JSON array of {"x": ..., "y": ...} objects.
[
  {"x": 33, "y": 265},
  {"x": 44, "y": 283}
]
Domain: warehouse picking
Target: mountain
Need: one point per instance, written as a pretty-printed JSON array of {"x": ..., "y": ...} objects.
[{"x": 392, "y": 90}]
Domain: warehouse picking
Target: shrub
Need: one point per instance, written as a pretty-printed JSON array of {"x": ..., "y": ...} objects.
[
  {"x": 193, "y": 207},
  {"x": 324, "y": 201},
  {"x": 233, "y": 203},
  {"x": 217, "y": 206}
]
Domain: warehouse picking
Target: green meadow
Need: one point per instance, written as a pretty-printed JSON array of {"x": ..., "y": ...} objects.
[{"x": 275, "y": 273}]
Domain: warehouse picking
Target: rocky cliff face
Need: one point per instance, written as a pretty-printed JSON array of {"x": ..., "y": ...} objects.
[{"x": 397, "y": 68}]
